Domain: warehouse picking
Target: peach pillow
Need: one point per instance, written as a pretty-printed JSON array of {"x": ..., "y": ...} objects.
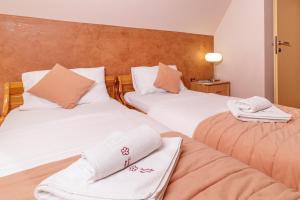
[
  {"x": 62, "y": 86},
  {"x": 168, "y": 79}
]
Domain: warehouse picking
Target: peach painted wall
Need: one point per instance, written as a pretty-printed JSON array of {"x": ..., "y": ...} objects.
[
  {"x": 193, "y": 16},
  {"x": 29, "y": 44},
  {"x": 242, "y": 40}
]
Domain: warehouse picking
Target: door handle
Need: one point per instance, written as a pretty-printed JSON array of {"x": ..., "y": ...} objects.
[
  {"x": 277, "y": 43},
  {"x": 284, "y": 43}
]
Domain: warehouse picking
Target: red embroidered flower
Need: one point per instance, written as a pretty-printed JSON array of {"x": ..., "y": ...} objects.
[
  {"x": 133, "y": 168},
  {"x": 125, "y": 151}
]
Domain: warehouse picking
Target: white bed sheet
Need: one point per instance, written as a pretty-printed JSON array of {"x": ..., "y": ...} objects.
[
  {"x": 32, "y": 138},
  {"x": 180, "y": 112},
  {"x": 147, "y": 101}
]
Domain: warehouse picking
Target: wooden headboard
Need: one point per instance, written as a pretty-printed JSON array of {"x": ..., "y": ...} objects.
[{"x": 13, "y": 97}]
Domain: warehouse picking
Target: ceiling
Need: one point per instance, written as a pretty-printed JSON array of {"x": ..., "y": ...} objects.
[{"x": 192, "y": 16}]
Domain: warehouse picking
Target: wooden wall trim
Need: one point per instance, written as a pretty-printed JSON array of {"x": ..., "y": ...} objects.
[{"x": 28, "y": 44}]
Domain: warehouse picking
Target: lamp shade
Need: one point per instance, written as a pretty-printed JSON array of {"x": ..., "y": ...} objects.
[{"x": 213, "y": 57}]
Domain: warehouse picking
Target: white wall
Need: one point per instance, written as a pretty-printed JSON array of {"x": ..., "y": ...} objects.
[
  {"x": 241, "y": 39},
  {"x": 193, "y": 16}
]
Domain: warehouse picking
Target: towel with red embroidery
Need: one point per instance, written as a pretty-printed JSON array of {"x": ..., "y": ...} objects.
[
  {"x": 145, "y": 179},
  {"x": 121, "y": 149}
]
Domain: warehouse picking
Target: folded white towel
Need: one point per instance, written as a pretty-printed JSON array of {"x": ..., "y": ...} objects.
[
  {"x": 254, "y": 104},
  {"x": 272, "y": 114},
  {"x": 146, "y": 179},
  {"x": 120, "y": 150}
]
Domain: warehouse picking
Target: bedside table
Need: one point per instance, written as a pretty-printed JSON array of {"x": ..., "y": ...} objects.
[{"x": 218, "y": 87}]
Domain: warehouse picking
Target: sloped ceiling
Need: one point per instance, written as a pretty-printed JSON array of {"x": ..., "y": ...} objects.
[{"x": 191, "y": 16}]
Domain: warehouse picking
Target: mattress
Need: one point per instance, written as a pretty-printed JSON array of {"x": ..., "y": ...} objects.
[
  {"x": 180, "y": 112},
  {"x": 32, "y": 138}
]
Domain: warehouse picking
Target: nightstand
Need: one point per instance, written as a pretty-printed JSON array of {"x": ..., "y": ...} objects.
[{"x": 218, "y": 87}]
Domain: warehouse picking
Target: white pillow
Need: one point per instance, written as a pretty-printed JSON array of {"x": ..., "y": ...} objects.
[
  {"x": 97, "y": 93},
  {"x": 143, "y": 79}
]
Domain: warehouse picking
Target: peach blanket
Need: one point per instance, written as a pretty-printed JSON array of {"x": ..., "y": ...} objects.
[
  {"x": 201, "y": 173},
  {"x": 273, "y": 148}
]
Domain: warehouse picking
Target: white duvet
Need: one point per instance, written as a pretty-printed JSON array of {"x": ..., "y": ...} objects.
[
  {"x": 32, "y": 138},
  {"x": 180, "y": 112}
]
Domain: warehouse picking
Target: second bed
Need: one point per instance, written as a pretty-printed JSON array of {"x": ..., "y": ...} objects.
[{"x": 273, "y": 148}]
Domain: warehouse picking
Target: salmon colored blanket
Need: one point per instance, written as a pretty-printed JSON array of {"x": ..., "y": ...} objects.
[
  {"x": 201, "y": 174},
  {"x": 273, "y": 148}
]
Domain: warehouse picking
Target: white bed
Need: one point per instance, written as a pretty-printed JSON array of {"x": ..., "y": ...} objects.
[
  {"x": 31, "y": 138},
  {"x": 180, "y": 112}
]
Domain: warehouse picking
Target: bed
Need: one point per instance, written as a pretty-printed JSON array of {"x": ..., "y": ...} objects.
[
  {"x": 180, "y": 112},
  {"x": 32, "y": 138},
  {"x": 42, "y": 150},
  {"x": 272, "y": 148}
]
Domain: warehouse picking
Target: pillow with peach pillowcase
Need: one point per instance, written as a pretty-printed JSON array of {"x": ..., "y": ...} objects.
[
  {"x": 98, "y": 93},
  {"x": 62, "y": 86},
  {"x": 168, "y": 79}
]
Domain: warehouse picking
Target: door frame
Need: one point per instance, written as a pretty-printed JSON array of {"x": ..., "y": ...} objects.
[{"x": 275, "y": 33}]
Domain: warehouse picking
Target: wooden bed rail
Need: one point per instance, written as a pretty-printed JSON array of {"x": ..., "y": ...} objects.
[
  {"x": 125, "y": 85},
  {"x": 13, "y": 94},
  {"x": 12, "y": 97}
]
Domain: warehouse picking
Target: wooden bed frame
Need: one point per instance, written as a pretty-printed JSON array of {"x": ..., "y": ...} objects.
[
  {"x": 13, "y": 94},
  {"x": 125, "y": 85}
]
